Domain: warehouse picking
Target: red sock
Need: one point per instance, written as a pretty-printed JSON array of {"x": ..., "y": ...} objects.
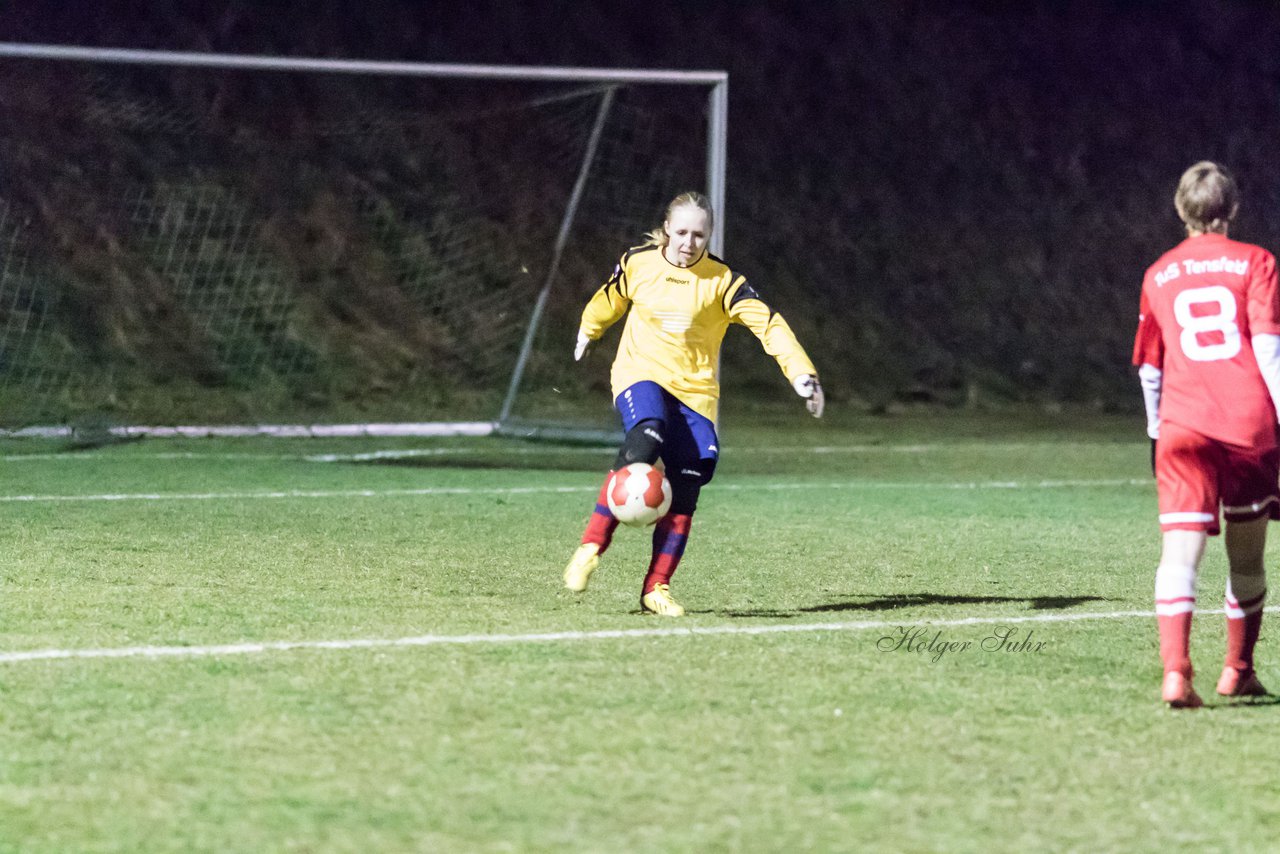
[
  {"x": 603, "y": 523},
  {"x": 669, "y": 537},
  {"x": 1175, "y": 642},
  {"x": 1244, "y": 623}
]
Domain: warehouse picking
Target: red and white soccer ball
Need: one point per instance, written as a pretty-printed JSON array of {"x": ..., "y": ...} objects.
[{"x": 639, "y": 494}]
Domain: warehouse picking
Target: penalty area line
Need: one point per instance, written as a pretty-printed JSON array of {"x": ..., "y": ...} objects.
[{"x": 214, "y": 650}]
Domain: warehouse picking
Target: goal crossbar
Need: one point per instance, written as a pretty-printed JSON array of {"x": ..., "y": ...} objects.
[{"x": 718, "y": 81}]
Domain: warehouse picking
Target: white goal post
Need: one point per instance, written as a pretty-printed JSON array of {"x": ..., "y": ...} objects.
[{"x": 200, "y": 245}]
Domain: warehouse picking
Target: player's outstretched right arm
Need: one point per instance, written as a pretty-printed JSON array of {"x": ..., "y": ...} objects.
[{"x": 605, "y": 308}]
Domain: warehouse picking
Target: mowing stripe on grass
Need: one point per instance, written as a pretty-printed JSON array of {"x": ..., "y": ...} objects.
[
  {"x": 234, "y": 456},
  {"x": 544, "y": 490},
  {"x": 298, "y": 493},
  {"x": 410, "y": 453},
  {"x": 544, "y": 637}
]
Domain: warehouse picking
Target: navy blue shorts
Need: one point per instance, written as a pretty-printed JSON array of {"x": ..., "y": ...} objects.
[{"x": 689, "y": 436}]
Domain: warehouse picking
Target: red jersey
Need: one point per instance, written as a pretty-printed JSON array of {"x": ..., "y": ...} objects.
[{"x": 1202, "y": 303}]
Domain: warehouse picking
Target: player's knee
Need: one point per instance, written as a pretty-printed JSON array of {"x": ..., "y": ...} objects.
[
  {"x": 687, "y": 482},
  {"x": 684, "y": 495},
  {"x": 643, "y": 443},
  {"x": 1250, "y": 564}
]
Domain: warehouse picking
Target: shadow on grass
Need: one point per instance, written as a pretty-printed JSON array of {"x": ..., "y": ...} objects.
[
  {"x": 1223, "y": 704},
  {"x": 912, "y": 600}
]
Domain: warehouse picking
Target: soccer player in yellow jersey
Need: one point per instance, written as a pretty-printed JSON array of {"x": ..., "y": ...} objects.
[{"x": 679, "y": 301}]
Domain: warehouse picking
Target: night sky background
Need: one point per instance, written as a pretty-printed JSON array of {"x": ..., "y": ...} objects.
[{"x": 951, "y": 202}]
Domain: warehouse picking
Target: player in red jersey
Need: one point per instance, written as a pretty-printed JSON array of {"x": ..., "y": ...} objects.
[{"x": 1208, "y": 357}]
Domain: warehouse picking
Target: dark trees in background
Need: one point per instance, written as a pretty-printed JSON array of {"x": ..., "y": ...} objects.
[{"x": 949, "y": 201}]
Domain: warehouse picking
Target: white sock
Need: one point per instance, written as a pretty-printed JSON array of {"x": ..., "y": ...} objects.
[{"x": 1175, "y": 589}]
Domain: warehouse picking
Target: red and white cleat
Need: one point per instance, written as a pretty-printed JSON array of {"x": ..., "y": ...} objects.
[
  {"x": 1240, "y": 683},
  {"x": 1178, "y": 693}
]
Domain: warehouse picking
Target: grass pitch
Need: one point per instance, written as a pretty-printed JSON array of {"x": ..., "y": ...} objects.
[{"x": 905, "y": 634}]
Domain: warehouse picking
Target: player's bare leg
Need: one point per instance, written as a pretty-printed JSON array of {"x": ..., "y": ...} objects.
[
  {"x": 1246, "y": 595},
  {"x": 1175, "y": 601}
]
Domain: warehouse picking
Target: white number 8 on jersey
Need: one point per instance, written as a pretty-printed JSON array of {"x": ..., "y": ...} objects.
[{"x": 1223, "y": 320}]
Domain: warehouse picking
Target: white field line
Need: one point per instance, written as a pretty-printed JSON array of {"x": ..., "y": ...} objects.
[
  {"x": 156, "y": 652},
  {"x": 429, "y": 491}
]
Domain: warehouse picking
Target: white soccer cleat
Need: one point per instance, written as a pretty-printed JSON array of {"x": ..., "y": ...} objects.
[
  {"x": 658, "y": 601},
  {"x": 584, "y": 562}
]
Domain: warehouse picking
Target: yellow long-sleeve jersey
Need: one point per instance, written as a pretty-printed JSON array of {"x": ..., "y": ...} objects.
[{"x": 678, "y": 317}]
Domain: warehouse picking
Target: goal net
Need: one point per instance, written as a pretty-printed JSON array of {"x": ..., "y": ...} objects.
[{"x": 251, "y": 244}]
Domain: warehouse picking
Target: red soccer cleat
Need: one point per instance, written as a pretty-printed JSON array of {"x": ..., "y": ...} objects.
[
  {"x": 1240, "y": 683},
  {"x": 1178, "y": 693}
]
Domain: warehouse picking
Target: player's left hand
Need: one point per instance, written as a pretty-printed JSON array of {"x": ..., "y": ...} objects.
[{"x": 808, "y": 387}]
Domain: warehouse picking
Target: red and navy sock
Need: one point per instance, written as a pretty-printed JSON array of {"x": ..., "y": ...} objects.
[
  {"x": 669, "y": 537},
  {"x": 603, "y": 523}
]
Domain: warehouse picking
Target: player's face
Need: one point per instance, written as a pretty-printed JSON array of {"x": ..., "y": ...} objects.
[{"x": 687, "y": 232}]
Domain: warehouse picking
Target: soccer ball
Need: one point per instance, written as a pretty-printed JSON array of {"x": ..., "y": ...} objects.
[{"x": 639, "y": 494}]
